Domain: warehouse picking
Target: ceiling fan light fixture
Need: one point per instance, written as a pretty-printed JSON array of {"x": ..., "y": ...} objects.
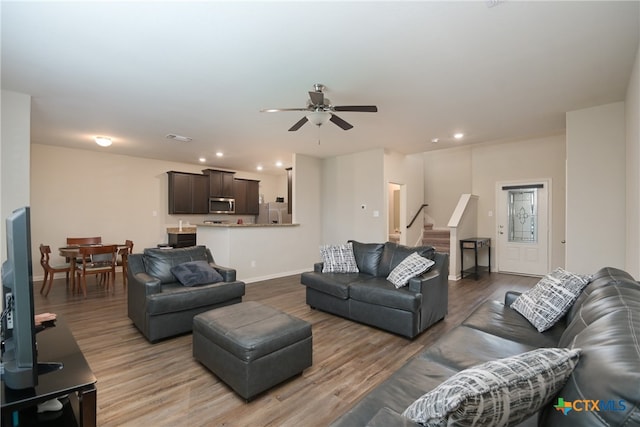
[
  {"x": 103, "y": 141},
  {"x": 319, "y": 118}
]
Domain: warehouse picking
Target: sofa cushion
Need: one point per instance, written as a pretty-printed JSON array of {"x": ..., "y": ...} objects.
[
  {"x": 380, "y": 291},
  {"x": 412, "y": 266},
  {"x": 393, "y": 254},
  {"x": 195, "y": 273},
  {"x": 367, "y": 256},
  {"x": 498, "y": 319},
  {"x": 606, "y": 276},
  {"x": 175, "y": 297},
  {"x": 625, "y": 295},
  {"x": 338, "y": 259},
  {"x": 499, "y": 393},
  {"x": 335, "y": 284},
  {"x": 158, "y": 262},
  {"x": 550, "y": 298},
  {"x": 609, "y": 371}
]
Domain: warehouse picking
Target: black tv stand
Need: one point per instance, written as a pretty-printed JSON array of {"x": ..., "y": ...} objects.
[
  {"x": 46, "y": 367},
  {"x": 70, "y": 376}
]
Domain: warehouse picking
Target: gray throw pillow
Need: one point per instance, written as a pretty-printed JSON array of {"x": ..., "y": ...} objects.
[
  {"x": 550, "y": 298},
  {"x": 502, "y": 393},
  {"x": 411, "y": 266},
  {"x": 194, "y": 273},
  {"x": 338, "y": 259}
]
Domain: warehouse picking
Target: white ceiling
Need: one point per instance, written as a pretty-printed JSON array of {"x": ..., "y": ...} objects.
[{"x": 137, "y": 71}]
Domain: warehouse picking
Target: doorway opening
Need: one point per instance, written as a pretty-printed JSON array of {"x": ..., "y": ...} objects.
[{"x": 395, "y": 214}]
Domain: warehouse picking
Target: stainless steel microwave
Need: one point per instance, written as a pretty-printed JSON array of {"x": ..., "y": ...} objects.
[{"x": 222, "y": 205}]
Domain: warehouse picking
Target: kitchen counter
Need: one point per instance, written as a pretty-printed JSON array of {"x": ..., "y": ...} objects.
[
  {"x": 246, "y": 225},
  {"x": 185, "y": 230}
]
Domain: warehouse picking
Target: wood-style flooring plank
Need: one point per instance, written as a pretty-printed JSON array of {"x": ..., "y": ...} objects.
[{"x": 162, "y": 385}]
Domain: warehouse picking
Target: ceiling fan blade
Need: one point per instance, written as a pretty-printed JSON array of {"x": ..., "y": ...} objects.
[
  {"x": 299, "y": 124},
  {"x": 338, "y": 121},
  {"x": 359, "y": 108},
  {"x": 317, "y": 98},
  {"x": 275, "y": 110}
]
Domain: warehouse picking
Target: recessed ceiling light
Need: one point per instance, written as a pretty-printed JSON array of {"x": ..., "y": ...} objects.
[
  {"x": 259, "y": 167},
  {"x": 219, "y": 154},
  {"x": 458, "y": 135},
  {"x": 434, "y": 140},
  {"x": 202, "y": 159},
  {"x": 103, "y": 141},
  {"x": 178, "y": 137},
  {"x": 279, "y": 164}
]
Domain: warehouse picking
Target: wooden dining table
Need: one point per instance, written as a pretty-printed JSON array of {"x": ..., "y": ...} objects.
[{"x": 72, "y": 252}]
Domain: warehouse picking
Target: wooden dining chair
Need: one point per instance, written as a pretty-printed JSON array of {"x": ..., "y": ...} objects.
[
  {"x": 51, "y": 269},
  {"x": 97, "y": 260},
  {"x": 123, "y": 253},
  {"x": 78, "y": 241}
]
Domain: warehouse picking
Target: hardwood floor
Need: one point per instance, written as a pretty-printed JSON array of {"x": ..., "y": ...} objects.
[{"x": 162, "y": 385}]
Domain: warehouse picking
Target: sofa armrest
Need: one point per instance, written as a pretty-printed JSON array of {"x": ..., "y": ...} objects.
[
  {"x": 386, "y": 417},
  {"x": 510, "y": 297},
  {"x": 318, "y": 266},
  {"x": 228, "y": 274}
]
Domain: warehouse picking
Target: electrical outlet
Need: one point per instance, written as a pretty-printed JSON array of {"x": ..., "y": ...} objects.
[{"x": 8, "y": 299}]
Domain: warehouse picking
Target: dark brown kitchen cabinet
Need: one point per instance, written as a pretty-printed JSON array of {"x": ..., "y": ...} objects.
[
  {"x": 220, "y": 183},
  {"x": 188, "y": 193},
  {"x": 246, "y": 195}
]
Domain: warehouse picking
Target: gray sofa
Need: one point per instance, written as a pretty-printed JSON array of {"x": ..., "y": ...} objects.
[
  {"x": 604, "y": 322},
  {"x": 368, "y": 297},
  {"x": 159, "y": 305}
]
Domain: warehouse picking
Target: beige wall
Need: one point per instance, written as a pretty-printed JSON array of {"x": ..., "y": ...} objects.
[
  {"x": 596, "y": 188},
  {"x": 83, "y": 193},
  {"x": 14, "y": 156},
  {"x": 476, "y": 170},
  {"x": 632, "y": 112},
  {"x": 348, "y": 182}
]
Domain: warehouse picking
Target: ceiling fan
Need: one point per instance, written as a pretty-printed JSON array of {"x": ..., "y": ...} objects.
[{"x": 321, "y": 110}]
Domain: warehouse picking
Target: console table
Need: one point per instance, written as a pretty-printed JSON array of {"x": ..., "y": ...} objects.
[
  {"x": 475, "y": 244},
  {"x": 75, "y": 379}
]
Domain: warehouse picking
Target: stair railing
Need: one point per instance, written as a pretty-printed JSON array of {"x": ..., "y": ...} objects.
[{"x": 416, "y": 215}]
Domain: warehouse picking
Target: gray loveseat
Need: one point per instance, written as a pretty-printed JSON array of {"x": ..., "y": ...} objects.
[
  {"x": 159, "y": 305},
  {"x": 368, "y": 297},
  {"x": 604, "y": 322}
]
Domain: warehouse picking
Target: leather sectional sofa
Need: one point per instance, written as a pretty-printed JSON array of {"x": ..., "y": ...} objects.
[
  {"x": 159, "y": 305},
  {"x": 368, "y": 297},
  {"x": 602, "y": 390}
]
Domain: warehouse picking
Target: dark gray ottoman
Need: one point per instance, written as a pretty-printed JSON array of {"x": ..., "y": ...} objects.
[{"x": 250, "y": 346}]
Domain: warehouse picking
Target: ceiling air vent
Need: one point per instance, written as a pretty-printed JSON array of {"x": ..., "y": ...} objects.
[{"x": 178, "y": 137}]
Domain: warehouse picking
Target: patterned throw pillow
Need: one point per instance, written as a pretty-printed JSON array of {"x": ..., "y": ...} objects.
[
  {"x": 503, "y": 392},
  {"x": 550, "y": 298},
  {"x": 338, "y": 259},
  {"x": 409, "y": 267}
]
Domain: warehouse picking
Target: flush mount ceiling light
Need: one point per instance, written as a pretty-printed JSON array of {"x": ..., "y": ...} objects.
[
  {"x": 278, "y": 164},
  {"x": 319, "y": 118},
  {"x": 103, "y": 141},
  {"x": 458, "y": 135},
  {"x": 202, "y": 159},
  {"x": 178, "y": 137},
  {"x": 219, "y": 154},
  {"x": 435, "y": 140},
  {"x": 259, "y": 167}
]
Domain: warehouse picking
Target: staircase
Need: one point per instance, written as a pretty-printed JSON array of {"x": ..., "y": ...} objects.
[{"x": 439, "y": 239}]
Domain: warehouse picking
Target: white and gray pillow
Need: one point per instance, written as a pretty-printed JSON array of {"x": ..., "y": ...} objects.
[
  {"x": 503, "y": 392},
  {"x": 412, "y": 266},
  {"x": 550, "y": 298},
  {"x": 338, "y": 259}
]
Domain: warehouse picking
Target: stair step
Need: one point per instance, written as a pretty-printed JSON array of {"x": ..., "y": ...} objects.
[{"x": 439, "y": 238}]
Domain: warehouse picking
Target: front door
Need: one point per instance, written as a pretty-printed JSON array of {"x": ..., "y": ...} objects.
[{"x": 523, "y": 227}]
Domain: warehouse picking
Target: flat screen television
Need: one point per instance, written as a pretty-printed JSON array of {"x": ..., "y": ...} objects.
[{"x": 19, "y": 357}]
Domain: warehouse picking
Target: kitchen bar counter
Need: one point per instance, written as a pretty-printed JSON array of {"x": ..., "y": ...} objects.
[
  {"x": 227, "y": 225},
  {"x": 258, "y": 251}
]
